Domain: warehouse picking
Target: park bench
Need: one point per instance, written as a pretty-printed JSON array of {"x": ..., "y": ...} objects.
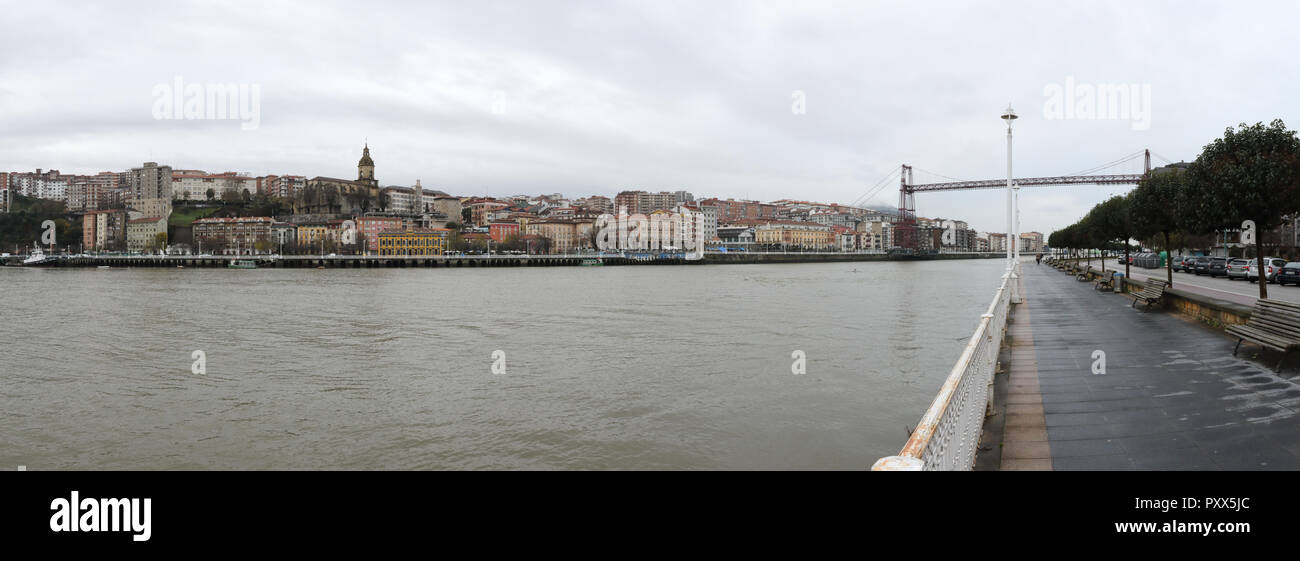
[
  {"x": 1151, "y": 293},
  {"x": 1105, "y": 282},
  {"x": 1273, "y": 325}
]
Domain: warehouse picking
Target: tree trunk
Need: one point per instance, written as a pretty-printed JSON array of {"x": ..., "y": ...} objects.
[
  {"x": 1169, "y": 259},
  {"x": 1259, "y": 260}
]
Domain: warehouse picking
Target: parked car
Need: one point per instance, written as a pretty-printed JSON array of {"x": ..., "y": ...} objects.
[
  {"x": 1290, "y": 274},
  {"x": 1183, "y": 263},
  {"x": 1200, "y": 265},
  {"x": 1218, "y": 266},
  {"x": 1236, "y": 269},
  {"x": 1271, "y": 266}
]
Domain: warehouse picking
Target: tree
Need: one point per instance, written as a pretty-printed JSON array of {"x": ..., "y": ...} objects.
[
  {"x": 159, "y": 242},
  {"x": 1154, "y": 210},
  {"x": 1110, "y": 224},
  {"x": 1251, "y": 173},
  {"x": 212, "y": 194}
]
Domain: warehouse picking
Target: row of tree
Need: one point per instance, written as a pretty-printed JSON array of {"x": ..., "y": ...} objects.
[{"x": 1248, "y": 180}]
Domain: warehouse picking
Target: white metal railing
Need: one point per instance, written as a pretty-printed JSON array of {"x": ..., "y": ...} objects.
[{"x": 948, "y": 435}]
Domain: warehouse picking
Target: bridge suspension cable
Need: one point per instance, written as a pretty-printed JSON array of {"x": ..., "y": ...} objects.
[
  {"x": 1166, "y": 160},
  {"x": 1111, "y": 164},
  {"x": 937, "y": 174},
  {"x": 875, "y": 189}
]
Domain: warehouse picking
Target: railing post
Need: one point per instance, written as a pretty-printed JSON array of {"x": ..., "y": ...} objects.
[{"x": 993, "y": 360}]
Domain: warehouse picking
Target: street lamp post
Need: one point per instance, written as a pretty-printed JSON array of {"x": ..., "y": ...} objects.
[{"x": 1010, "y": 115}]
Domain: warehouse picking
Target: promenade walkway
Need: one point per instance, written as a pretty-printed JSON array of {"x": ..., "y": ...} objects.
[{"x": 1172, "y": 395}]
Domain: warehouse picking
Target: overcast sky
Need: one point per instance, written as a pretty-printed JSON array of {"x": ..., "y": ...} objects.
[{"x": 583, "y": 98}]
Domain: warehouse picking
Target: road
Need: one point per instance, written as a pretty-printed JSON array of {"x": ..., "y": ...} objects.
[{"x": 1239, "y": 291}]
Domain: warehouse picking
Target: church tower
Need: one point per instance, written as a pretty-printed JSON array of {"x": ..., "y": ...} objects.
[{"x": 366, "y": 167}]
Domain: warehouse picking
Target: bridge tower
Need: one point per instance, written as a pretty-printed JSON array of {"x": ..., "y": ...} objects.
[
  {"x": 905, "y": 227},
  {"x": 1146, "y": 168}
]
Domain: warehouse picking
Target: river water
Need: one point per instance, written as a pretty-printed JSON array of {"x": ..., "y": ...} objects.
[{"x": 636, "y": 367}]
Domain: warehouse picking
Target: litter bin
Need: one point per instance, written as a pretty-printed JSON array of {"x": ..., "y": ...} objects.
[{"x": 1117, "y": 281}]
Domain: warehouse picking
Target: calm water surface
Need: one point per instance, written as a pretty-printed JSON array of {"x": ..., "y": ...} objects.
[{"x": 606, "y": 367}]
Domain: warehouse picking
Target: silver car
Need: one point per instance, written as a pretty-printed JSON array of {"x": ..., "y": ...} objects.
[
  {"x": 1237, "y": 268},
  {"x": 1271, "y": 267}
]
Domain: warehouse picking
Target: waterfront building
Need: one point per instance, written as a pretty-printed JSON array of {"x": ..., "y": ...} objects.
[
  {"x": 882, "y": 235},
  {"x": 104, "y": 230},
  {"x": 566, "y": 235},
  {"x": 142, "y": 234},
  {"x": 312, "y": 234},
  {"x": 6, "y": 196},
  {"x": 282, "y": 234},
  {"x": 1031, "y": 242},
  {"x": 413, "y": 242},
  {"x": 997, "y": 241},
  {"x": 710, "y": 219},
  {"x": 789, "y": 233},
  {"x": 369, "y": 227},
  {"x": 501, "y": 231},
  {"x": 248, "y": 235}
]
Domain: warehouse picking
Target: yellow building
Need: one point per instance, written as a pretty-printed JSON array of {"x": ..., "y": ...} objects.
[
  {"x": 413, "y": 242},
  {"x": 311, "y": 234},
  {"x": 807, "y": 235}
]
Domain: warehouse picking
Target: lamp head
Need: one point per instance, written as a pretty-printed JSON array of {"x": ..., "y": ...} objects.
[{"x": 1009, "y": 115}]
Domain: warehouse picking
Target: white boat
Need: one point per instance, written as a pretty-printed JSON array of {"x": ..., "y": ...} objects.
[{"x": 36, "y": 257}]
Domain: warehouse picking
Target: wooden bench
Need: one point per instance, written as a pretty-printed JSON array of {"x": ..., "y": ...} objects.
[
  {"x": 1151, "y": 293},
  {"x": 1273, "y": 325},
  {"x": 1105, "y": 282}
]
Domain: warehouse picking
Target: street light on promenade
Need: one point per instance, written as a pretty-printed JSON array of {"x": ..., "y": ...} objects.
[{"x": 1010, "y": 115}]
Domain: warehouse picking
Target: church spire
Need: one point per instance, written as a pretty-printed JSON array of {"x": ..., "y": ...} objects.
[{"x": 366, "y": 166}]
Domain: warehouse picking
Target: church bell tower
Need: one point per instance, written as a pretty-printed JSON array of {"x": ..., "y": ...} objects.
[{"x": 366, "y": 167}]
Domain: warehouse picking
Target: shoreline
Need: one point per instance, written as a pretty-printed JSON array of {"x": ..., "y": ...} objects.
[{"x": 432, "y": 261}]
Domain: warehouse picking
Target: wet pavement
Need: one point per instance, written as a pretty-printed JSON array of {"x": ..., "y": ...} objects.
[{"x": 1172, "y": 396}]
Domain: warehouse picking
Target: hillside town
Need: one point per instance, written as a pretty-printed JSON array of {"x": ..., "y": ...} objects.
[{"x": 157, "y": 208}]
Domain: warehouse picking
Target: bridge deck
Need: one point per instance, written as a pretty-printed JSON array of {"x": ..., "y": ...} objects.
[{"x": 1172, "y": 396}]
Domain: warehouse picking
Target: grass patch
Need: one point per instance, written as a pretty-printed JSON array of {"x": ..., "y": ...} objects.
[{"x": 182, "y": 217}]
